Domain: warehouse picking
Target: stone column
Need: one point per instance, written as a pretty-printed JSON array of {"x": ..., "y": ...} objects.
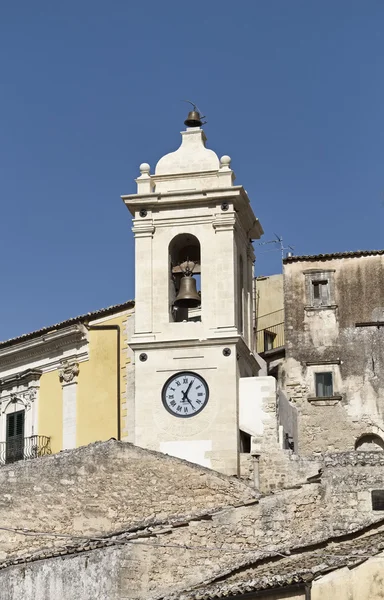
[{"x": 68, "y": 377}]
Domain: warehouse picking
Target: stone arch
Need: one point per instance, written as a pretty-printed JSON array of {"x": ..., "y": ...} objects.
[
  {"x": 369, "y": 442},
  {"x": 183, "y": 247}
]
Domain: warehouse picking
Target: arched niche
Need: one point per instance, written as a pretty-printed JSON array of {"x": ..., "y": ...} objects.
[
  {"x": 369, "y": 442},
  {"x": 183, "y": 247}
]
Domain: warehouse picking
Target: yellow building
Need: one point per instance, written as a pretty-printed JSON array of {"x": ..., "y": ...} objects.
[
  {"x": 269, "y": 313},
  {"x": 65, "y": 385}
]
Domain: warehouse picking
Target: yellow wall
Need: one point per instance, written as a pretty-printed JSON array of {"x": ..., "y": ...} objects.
[
  {"x": 97, "y": 386},
  {"x": 269, "y": 296},
  {"x": 50, "y": 418}
]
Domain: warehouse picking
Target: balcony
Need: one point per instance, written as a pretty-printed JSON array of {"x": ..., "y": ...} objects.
[
  {"x": 270, "y": 332},
  {"x": 24, "y": 448}
]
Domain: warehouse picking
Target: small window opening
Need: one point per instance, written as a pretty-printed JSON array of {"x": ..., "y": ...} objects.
[
  {"x": 324, "y": 385},
  {"x": 369, "y": 443},
  {"x": 269, "y": 340},
  {"x": 245, "y": 442},
  {"x": 289, "y": 444},
  {"x": 377, "y": 497},
  {"x": 320, "y": 289}
]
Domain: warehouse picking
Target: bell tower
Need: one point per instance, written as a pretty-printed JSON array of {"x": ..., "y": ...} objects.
[{"x": 193, "y": 336}]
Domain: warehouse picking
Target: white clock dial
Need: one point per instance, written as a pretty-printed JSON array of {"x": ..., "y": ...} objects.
[{"x": 185, "y": 394}]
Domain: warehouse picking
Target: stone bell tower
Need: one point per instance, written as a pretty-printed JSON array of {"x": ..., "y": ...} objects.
[{"x": 193, "y": 233}]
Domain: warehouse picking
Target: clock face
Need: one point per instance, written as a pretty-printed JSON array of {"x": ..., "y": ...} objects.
[{"x": 185, "y": 394}]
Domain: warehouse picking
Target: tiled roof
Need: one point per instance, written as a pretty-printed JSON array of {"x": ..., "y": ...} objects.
[
  {"x": 353, "y": 254},
  {"x": 96, "y": 314},
  {"x": 302, "y": 566}
]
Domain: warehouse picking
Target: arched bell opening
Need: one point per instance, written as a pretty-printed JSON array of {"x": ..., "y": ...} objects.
[
  {"x": 184, "y": 276},
  {"x": 369, "y": 443}
]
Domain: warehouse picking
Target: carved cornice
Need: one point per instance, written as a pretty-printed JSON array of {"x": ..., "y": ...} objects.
[
  {"x": 43, "y": 346},
  {"x": 69, "y": 372},
  {"x": 23, "y": 379}
]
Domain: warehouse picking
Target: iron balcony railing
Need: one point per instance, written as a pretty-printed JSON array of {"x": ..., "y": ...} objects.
[
  {"x": 24, "y": 448},
  {"x": 270, "y": 331}
]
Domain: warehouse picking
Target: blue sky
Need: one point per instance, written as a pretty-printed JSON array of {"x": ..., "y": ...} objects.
[{"x": 293, "y": 91}]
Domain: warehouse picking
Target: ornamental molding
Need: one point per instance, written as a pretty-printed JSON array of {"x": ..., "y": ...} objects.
[
  {"x": 69, "y": 372},
  {"x": 43, "y": 346},
  {"x": 23, "y": 397}
]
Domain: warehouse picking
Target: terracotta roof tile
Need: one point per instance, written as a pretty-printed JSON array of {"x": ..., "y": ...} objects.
[{"x": 314, "y": 257}]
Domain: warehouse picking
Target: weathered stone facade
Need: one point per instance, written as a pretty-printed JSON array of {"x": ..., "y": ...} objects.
[
  {"x": 334, "y": 310},
  {"x": 114, "y": 521}
]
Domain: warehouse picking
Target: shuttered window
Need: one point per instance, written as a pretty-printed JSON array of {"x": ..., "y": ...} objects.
[{"x": 15, "y": 436}]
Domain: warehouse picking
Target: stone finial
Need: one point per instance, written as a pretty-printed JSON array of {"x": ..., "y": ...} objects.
[
  {"x": 144, "y": 182},
  {"x": 144, "y": 169},
  {"x": 225, "y": 162}
]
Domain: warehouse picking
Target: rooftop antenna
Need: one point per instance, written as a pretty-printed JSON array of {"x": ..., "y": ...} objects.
[
  {"x": 280, "y": 243},
  {"x": 194, "y": 119}
]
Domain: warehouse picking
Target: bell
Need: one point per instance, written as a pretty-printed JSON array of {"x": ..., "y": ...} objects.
[
  {"x": 187, "y": 296},
  {"x": 193, "y": 119}
]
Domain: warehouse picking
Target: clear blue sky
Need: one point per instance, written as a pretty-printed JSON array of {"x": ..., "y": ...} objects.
[{"x": 293, "y": 91}]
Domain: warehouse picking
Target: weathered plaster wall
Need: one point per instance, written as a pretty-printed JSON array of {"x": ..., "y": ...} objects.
[{"x": 355, "y": 355}]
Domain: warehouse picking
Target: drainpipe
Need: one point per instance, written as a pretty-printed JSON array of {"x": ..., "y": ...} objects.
[{"x": 117, "y": 329}]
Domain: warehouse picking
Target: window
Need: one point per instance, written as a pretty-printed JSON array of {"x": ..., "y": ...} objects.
[
  {"x": 320, "y": 292},
  {"x": 15, "y": 436},
  {"x": 320, "y": 288},
  {"x": 269, "y": 340},
  {"x": 324, "y": 385},
  {"x": 377, "y": 497},
  {"x": 245, "y": 442}
]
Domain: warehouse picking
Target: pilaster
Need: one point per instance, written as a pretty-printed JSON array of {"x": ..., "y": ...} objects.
[
  {"x": 68, "y": 377},
  {"x": 143, "y": 231}
]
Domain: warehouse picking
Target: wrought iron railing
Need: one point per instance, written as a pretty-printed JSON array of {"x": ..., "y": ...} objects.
[
  {"x": 270, "y": 338},
  {"x": 24, "y": 448}
]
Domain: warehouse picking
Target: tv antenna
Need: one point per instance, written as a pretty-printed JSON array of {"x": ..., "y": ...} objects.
[{"x": 280, "y": 245}]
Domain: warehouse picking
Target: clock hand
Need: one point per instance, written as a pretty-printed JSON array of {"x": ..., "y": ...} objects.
[
  {"x": 188, "y": 400},
  {"x": 188, "y": 388}
]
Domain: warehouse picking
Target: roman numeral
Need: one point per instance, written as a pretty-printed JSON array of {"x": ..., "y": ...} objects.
[
  {"x": 171, "y": 397},
  {"x": 200, "y": 394},
  {"x": 178, "y": 382},
  {"x": 172, "y": 403},
  {"x": 185, "y": 380},
  {"x": 173, "y": 389},
  {"x": 178, "y": 408},
  {"x": 198, "y": 401},
  {"x": 185, "y": 409},
  {"x": 198, "y": 386}
]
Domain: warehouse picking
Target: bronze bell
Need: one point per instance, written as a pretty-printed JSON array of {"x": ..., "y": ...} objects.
[
  {"x": 187, "y": 296},
  {"x": 193, "y": 119}
]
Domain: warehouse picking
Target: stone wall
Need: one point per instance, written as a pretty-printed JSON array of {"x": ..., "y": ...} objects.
[
  {"x": 149, "y": 525},
  {"x": 103, "y": 488}
]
